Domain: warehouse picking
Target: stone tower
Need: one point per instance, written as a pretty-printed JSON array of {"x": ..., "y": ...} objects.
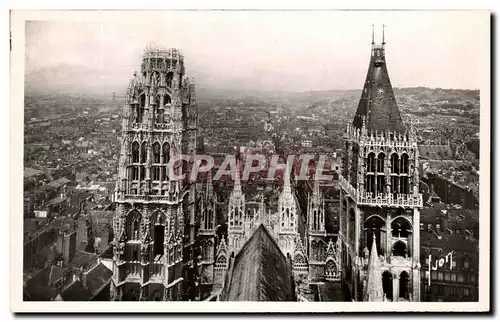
[
  {"x": 236, "y": 214},
  {"x": 154, "y": 220},
  {"x": 316, "y": 232},
  {"x": 288, "y": 229},
  {"x": 207, "y": 233},
  {"x": 380, "y": 200}
]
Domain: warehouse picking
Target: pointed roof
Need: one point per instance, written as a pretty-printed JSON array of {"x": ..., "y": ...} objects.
[
  {"x": 377, "y": 105},
  {"x": 261, "y": 272},
  {"x": 374, "y": 291},
  {"x": 330, "y": 249},
  {"x": 299, "y": 246},
  {"x": 222, "y": 249}
]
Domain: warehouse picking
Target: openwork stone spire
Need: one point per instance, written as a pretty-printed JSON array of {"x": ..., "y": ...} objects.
[{"x": 374, "y": 291}]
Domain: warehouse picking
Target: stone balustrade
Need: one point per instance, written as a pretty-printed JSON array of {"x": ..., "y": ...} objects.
[{"x": 381, "y": 199}]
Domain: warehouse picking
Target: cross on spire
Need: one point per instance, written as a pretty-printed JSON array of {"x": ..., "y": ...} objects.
[
  {"x": 373, "y": 34},
  {"x": 383, "y": 34}
]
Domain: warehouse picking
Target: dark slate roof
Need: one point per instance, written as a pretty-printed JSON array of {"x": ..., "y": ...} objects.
[
  {"x": 82, "y": 259},
  {"x": 46, "y": 276},
  {"x": 429, "y": 215},
  {"x": 453, "y": 242},
  {"x": 108, "y": 253},
  {"x": 30, "y": 172},
  {"x": 435, "y": 152},
  {"x": 261, "y": 272},
  {"x": 76, "y": 292},
  {"x": 98, "y": 277},
  {"x": 377, "y": 103},
  {"x": 56, "y": 273},
  {"x": 40, "y": 293}
]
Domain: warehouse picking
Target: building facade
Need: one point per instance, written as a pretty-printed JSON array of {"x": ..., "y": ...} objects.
[
  {"x": 154, "y": 221},
  {"x": 295, "y": 232},
  {"x": 380, "y": 198}
]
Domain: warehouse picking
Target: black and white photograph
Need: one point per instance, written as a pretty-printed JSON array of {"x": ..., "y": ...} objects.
[{"x": 250, "y": 156}]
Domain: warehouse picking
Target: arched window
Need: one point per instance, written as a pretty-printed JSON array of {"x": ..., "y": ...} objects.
[
  {"x": 352, "y": 223},
  {"x": 400, "y": 227},
  {"x": 134, "y": 173},
  {"x": 399, "y": 249},
  {"x": 134, "y": 225},
  {"x": 387, "y": 285},
  {"x": 159, "y": 239},
  {"x": 167, "y": 99},
  {"x": 299, "y": 259},
  {"x": 331, "y": 270},
  {"x": 142, "y": 174},
  {"x": 380, "y": 163},
  {"x": 170, "y": 76},
  {"x": 394, "y": 163},
  {"x": 380, "y": 183},
  {"x": 155, "y": 173},
  {"x": 144, "y": 152},
  {"x": 395, "y": 185},
  {"x": 160, "y": 116},
  {"x": 156, "y": 152},
  {"x": 135, "y": 152},
  {"x": 221, "y": 260},
  {"x": 404, "y": 163},
  {"x": 404, "y": 285},
  {"x": 371, "y": 167},
  {"x": 166, "y": 152},
  {"x": 404, "y": 185},
  {"x": 231, "y": 217},
  {"x": 375, "y": 225}
]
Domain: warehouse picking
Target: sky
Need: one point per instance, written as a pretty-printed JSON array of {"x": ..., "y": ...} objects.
[{"x": 266, "y": 50}]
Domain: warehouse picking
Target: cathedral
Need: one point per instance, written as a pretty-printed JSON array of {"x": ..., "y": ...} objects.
[
  {"x": 271, "y": 241},
  {"x": 380, "y": 200},
  {"x": 354, "y": 239},
  {"x": 154, "y": 221}
]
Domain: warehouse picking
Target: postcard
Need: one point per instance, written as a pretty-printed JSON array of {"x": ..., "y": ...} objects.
[{"x": 316, "y": 160}]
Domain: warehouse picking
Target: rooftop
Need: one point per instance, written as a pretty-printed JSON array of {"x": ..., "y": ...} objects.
[
  {"x": 377, "y": 105},
  {"x": 261, "y": 272}
]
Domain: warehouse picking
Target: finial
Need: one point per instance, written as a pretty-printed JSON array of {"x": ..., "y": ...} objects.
[
  {"x": 373, "y": 34},
  {"x": 287, "y": 178},
  {"x": 383, "y": 34},
  {"x": 374, "y": 238}
]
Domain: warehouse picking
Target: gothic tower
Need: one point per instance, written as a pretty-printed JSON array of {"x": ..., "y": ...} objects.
[
  {"x": 236, "y": 215},
  {"x": 288, "y": 220},
  {"x": 206, "y": 233},
  {"x": 153, "y": 215},
  {"x": 316, "y": 233},
  {"x": 380, "y": 200}
]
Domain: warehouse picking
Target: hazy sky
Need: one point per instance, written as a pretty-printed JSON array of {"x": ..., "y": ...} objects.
[{"x": 312, "y": 50}]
